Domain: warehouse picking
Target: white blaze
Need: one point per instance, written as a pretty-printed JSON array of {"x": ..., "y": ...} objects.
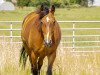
[
  {"x": 47, "y": 34},
  {"x": 47, "y": 19},
  {"x": 48, "y": 37}
]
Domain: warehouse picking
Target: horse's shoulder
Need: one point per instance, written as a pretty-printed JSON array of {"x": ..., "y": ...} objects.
[
  {"x": 30, "y": 16},
  {"x": 29, "y": 19},
  {"x": 57, "y": 26}
]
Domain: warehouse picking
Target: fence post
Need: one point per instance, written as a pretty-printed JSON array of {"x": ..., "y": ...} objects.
[
  {"x": 73, "y": 37},
  {"x": 11, "y": 34}
]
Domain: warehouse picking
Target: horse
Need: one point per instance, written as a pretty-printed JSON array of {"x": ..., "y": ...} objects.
[{"x": 41, "y": 36}]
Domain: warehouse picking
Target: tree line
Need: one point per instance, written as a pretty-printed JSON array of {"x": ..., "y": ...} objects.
[{"x": 58, "y": 3}]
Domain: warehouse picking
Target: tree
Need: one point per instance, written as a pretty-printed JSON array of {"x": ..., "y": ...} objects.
[
  {"x": 82, "y": 2},
  {"x": 91, "y": 2},
  {"x": 58, "y": 3},
  {"x": 22, "y": 3},
  {"x": 72, "y": 2},
  {"x": 39, "y": 2},
  {"x": 8, "y": 0}
]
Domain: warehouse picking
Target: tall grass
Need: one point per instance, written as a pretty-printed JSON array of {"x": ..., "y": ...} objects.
[{"x": 66, "y": 63}]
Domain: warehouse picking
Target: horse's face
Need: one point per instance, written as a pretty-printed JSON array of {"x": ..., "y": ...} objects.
[{"x": 48, "y": 23}]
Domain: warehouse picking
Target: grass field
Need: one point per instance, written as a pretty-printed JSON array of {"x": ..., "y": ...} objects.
[
  {"x": 66, "y": 63},
  {"x": 60, "y": 14}
]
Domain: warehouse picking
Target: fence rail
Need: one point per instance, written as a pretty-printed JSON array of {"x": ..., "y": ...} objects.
[{"x": 73, "y": 36}]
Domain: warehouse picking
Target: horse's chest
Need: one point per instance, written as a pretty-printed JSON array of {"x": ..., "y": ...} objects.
[
  {"x": 45, "y": 51},
  {"x": 49, "y": 50}
]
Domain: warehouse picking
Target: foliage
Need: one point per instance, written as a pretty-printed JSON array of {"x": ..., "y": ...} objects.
[
  {"x": 39, "y": 2},
  {"x": 91, "y": 1},
  {"x": 8, "y": 0},
  {"x": 58, "y": 3},
  {"x": 23, "y": 3},
  {"x": 64, "y": 3}
]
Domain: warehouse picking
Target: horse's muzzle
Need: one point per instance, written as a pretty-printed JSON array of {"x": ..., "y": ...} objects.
[{"x": 47, "y": 43}]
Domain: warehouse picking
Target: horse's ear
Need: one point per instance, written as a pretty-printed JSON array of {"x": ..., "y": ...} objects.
[
  {"x": 42, "y": 7},
  {"x": 52, "y": 9}
]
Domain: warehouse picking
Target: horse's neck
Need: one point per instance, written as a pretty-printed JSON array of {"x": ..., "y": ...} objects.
[
  {"x": 37, "y": 25},
  {"x": 57, "y": 33},
  {"x": 35, "y": 38}
]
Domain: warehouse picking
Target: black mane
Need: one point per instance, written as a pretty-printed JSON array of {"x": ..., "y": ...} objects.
[{"x": 43, "y": 10}]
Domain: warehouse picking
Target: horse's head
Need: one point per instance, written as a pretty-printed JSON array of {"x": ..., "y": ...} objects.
[{"x": 48, "y": 23}]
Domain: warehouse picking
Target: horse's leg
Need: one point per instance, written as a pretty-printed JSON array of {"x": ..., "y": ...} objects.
[
  {"x": 51, "y": 59},
  {"x": 33, "y": 61},
  {"x": 40, "y": 63}
]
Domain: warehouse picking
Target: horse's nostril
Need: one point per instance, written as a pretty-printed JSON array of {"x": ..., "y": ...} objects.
[
  {"x": 47, "y": 44},
  {"x": 50, "y": 41}
]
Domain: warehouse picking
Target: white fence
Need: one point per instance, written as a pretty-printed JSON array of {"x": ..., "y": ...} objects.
[{"x": 73, "y": 36}]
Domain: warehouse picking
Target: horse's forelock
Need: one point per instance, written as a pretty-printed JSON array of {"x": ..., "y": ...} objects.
[
  {"x": 44, "y": 13},
  {"x": 46, "y": 9}
]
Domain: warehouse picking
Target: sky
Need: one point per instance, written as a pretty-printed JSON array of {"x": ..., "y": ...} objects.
[
  {"x": 97, "y": 2},
  {"x": 1, "y": 1}
]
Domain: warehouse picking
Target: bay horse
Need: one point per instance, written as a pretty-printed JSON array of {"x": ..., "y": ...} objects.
[{"x": 41, "y": 36}]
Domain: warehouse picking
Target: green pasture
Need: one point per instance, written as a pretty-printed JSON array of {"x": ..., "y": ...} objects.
[
  {"x": 67, "y": 63},
  {"x": 91, "y": 13}
]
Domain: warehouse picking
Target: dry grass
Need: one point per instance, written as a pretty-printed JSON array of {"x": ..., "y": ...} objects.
[{"x": 66, "y": 63}]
